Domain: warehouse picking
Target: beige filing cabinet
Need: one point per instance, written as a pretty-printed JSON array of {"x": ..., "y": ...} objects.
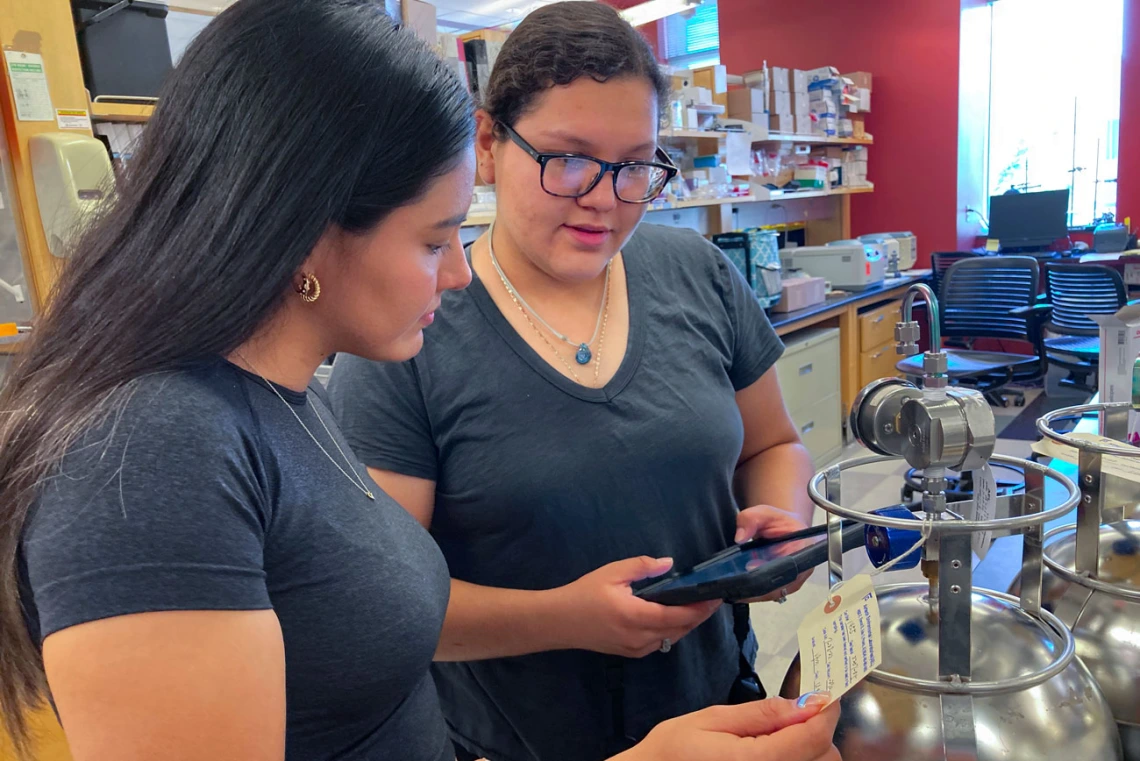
[{"x": 809, "y": 381}]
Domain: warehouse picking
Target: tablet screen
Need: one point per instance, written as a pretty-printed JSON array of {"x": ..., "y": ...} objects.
[{"x": 741, "y": 563}]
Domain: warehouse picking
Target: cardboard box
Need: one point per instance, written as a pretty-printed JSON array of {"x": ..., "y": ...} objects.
[
  {"x": 692, "y": 119},
  {"x": 779, "y": 79},
  {"x": 420, "y": 18},
  {"x": 797, "y": 80},
  {"x": 859, "y": 79},
  {"x": 783, "y": 123},
  {"x": 821, "y": 93},
  {"x": 827, "y": 107},
  {"x": 801, "y": 293},
  {"x": 800, "y": 101},
  {"x": 858, "y": 129},
  {"x": 864, "y": 99},
  {"x": 846, "y": 128},
  {"x": 824, "y": 72},
  {"x": 743, "y": 103},
  {"x": 826, "y": 125},
  {"x": 1119, "y": 347},
  {"x": 804, "y": 124},
  {"x": 780, "y": 103},
  {"x": 812, "y": 176}
]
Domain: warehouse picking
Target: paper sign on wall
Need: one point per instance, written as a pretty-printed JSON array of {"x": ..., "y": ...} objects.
[
  {"x": 30, "y": 86},
  {"x": 841, "y": 641}
]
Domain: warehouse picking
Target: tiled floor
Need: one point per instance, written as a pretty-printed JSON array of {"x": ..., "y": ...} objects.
[{"x": 866, "y": 489}]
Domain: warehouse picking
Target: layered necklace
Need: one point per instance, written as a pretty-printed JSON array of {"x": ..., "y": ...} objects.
[{"x": 584, "y": 353}]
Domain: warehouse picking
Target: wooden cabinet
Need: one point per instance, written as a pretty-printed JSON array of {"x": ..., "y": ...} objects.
[
  {"x": 877, "y": 356},
  {"x": 877, "y": 326}
]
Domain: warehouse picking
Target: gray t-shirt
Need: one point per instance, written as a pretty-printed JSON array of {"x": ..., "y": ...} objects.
[
  {"x": 207, "y": 494},
  {"x": 540, "y": 481}
]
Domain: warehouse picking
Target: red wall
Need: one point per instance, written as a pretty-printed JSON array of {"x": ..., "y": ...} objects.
[
  {"x": 911, "y": 49},
  {"x": 1128, "y": 189}
]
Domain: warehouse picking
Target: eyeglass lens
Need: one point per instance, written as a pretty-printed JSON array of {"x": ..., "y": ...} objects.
[{"x": 573, "y": 177}]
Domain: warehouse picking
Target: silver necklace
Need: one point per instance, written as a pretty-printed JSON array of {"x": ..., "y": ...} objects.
[
  {"x": 584, "y": 354},
  {"x": 355, "y": 478}
]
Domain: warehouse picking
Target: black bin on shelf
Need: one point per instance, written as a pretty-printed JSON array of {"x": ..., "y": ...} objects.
[{"x": 125, "y": 50}]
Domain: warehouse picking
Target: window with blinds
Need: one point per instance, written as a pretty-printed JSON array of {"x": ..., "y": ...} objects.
[{"x": 694, "y": 41}]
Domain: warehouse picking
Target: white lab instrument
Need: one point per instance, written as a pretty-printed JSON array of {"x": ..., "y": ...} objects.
[{"x": 849, "y": 265}]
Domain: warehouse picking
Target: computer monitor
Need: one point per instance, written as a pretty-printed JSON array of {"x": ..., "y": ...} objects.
[{"x": 1027, "y": 220}]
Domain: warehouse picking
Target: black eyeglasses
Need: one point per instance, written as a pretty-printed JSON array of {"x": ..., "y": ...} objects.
[{"x": 572, "y": 175}]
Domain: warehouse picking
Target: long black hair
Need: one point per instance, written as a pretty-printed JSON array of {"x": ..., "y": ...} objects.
[{"x": 283, "y": 119}]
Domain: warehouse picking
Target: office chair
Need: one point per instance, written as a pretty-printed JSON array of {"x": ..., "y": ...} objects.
[
  {"x": 1074, "y": 291},
  {"x": 990, "y": 297},
  {"x": 940, "y": 261}
]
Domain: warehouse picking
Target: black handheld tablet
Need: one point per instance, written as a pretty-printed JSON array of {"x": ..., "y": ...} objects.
[{"x": 752, "y": 569}]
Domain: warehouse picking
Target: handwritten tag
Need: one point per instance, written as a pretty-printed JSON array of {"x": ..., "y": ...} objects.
[
  {"x": 841, "y": 640},
  {"x": 1114, "y": 465},
  {"x": 984, "y": 509}
]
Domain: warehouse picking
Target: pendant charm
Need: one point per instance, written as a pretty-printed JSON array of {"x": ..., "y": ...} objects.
[{"x": 584, "y": 355}]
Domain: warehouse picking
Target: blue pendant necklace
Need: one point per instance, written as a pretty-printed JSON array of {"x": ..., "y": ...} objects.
[{"x": 583, "y": 355}]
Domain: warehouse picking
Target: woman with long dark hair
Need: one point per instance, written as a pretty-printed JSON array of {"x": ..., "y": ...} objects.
[
  {"x": 604, "y": 393},
  {"x": 194, "y": 565}
]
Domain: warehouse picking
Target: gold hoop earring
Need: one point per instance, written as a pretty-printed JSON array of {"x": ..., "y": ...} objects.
[{"x": 310, "y": 288}]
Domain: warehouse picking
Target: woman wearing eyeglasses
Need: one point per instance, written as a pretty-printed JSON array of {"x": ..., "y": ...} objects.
[{"x": 595, "y": 408}]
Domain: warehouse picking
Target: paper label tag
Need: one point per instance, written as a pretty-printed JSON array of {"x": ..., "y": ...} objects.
[
  {"x": 30, "y": 86},
  {"x": 984, "y": 509},
  {"x": 993, "y": 244},
  {"x": 1114, "y": 465},
  {"x": 71, "y": 118},
  {"x": 841, "y": 640}
]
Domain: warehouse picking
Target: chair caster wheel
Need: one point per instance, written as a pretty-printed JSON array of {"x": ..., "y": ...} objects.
[{"x": 1019, "y": 402}]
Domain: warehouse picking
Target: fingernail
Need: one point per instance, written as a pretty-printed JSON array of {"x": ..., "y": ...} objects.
[
  {"x": 814, "y": 700},
  {"x": 740, "y": 535},
  {"x": 666, "y": 562}
]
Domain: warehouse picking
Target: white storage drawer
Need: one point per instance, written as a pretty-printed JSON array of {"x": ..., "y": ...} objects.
[
  {"x": 820, "y": 425},
  {"x": 809, "y": 369}
]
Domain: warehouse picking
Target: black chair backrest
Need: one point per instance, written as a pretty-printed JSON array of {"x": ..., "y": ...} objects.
[
  {"x": 940, "y": 261},
  {"x": 1076, "y": 290},
  {"x": 979, "y": 294}
]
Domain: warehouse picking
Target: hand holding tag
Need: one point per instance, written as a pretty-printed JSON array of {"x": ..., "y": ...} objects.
[{"x": 841, "y": 641}]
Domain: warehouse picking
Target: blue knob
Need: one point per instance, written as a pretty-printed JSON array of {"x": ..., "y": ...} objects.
[{"x": 886, "y": 544}]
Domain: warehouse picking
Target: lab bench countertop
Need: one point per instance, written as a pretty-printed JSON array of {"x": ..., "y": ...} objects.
[{"x": 786, "y": 322}]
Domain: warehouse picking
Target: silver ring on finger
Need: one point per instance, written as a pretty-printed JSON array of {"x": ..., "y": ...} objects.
[
  {"x": 783, "y": 596},
  {"x": 666, "y": 645}
]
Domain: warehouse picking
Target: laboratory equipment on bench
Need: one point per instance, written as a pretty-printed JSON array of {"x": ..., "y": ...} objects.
[
  {"x": 850, "y": 265},
  {"x": 72, "y": 175},
  {"x": 888, "y": 247},
  {"x": 966, "y": 673},
  {"x": 1092, "y": 569},
  {"x": 1111, "y": 238},
  {"x": 907, "y": 250}
]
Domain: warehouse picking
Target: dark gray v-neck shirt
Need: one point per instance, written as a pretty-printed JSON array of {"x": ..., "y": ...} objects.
[
  {"x": 540, "y": 480},
  {"x": 206, "y": 493}
]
